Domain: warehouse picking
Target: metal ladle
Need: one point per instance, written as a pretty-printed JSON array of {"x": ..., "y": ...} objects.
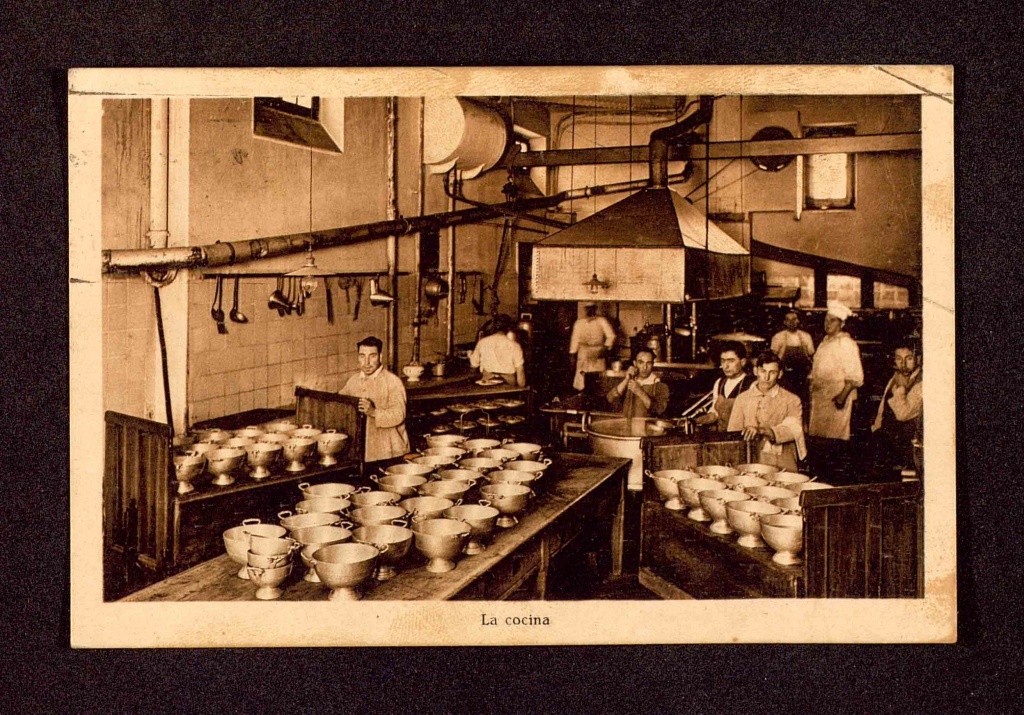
[
  {"x": 217, "y": 310},
  {"x": 236, "y": 315}
]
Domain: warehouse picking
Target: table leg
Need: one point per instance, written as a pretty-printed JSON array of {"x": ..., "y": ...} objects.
[
  {"x": 542, "y": 569},
  {"x": 618, "y": 531}
]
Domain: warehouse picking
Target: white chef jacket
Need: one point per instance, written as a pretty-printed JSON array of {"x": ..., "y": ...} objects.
[
  {"x": 386, "y": 436},
  {"x": 497, "y": 353},
  {"x": 836, "y": 361},
  {"x": 589, "y": 336}
]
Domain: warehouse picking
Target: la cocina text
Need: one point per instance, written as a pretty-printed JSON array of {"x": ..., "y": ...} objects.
[{"x": 489, "y": 620}]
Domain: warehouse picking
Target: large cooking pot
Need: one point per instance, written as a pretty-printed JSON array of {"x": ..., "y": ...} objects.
[{"x": 620, "y": 437}]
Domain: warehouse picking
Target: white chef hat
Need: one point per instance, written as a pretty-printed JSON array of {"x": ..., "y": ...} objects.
[{"x": 839, "y": 310}]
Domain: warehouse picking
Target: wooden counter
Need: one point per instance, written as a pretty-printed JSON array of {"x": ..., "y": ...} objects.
[{"x": 581, "y": 494}]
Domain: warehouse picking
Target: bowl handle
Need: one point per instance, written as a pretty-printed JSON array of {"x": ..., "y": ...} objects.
[
  {"x": 303, "y": 485},
  {"x": 471, "y": 482},
  {"x": 484, "y": 502},
  {"x": 295, "y": 546},
  {"x": 330, "y": 431},
  {"x": 284, "y": 514},
  {"x": 457, "y": 502},
  {"x": 375, "y": 478},
  {"x": 301, "y": 511},
  {"x": 415, "y": 517},
  {"x": 360, "y": 490},
  {"x": 382, "y": 548},
  {"x": 399, "y": 522},
  {"x": 531, "y": 495},
  {"x": 546, "y": 461},
  {"x": 252, "y": 521},
  {"x": 307, "y": 427},
  {"x": 254, "y": 569},
  {"x": 345, "y": 524},
  {"x": 647, "y": 472}
]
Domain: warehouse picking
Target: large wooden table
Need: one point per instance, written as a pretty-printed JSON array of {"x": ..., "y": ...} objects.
[{"x": 581, "y": 493}]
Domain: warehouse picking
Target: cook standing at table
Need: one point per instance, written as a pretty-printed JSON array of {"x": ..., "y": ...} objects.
[
  {"x": 382, "y": 399},
  {"x": 770, "y": 417},
  {"x": 591, "y": 336},
  {"x": 836, "y": 373},
  {"x": 499, "y": 355}
]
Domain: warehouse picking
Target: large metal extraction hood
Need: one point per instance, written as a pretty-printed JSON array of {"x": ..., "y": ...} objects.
[{"x": 652, "y": 246}]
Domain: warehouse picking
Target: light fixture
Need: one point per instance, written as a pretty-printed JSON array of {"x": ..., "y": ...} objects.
[
  {"x": 307, "y": 274},
  {"x": 594, "y": 285}
]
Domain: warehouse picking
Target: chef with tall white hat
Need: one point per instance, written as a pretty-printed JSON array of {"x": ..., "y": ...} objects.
[{"x": 836, "y": 373}]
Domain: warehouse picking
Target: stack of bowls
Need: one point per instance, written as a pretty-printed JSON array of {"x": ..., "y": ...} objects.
[
  {"x": 329, "y": 444},
  {"x": 744, "y": 517},
  {"x": 236, "y": 540},
  {"x": 481, "y": 518},
  {"x": 221, "y": 462},
  {"x": 344, "y": 567},
  {"x": 690, "y": 489},
  {"x": 441, "y": 541},
  {"x": 269, "y": 562},
  {"x": 784, "y": 533},
  {"x": 314, "y": 537},
  {"x": 714, "y": 501},
  {"x": 393, "y": 542}
]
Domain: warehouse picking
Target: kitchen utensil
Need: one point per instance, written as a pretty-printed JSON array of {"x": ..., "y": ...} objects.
[
  {"x": 307, "y": 432},
  {"x": 274, "y": 437},
  {"x": 328, "y": 444},
  {"x": 359, "y": 299},
  {"x": 329, "y": 489},
  {"x": 377, "y": 296},
  {"x": 330, "y": 303},
  {"x": 785, "y": 534},
  {"x": 236, "y": 315},
  {"x": 786, "y": 479},
  {"x": 251, "y": 432},
  {"x": 241, "y": 442},
  {"x": 441, "y": 541},
  {"x": 758, "y": 470},
  {"x": 281, "y": 426},
  {"x": 714, "y": 501},
  {"x": 480, "y": 444},
  {"x": 262, "y": 456},
  {"x": 393, "y": 542},
  {"x": 742, "y": 482},
  {"x": 509, "y": 499},
  {"x": 458, "y": 474},
  {"x": 292, "y": 521},
  {"x": 502, "y": 455},
  {"x": 272, "y": 545},
  {"x": 667, "y": 483},
  {"x": 453, "y": 489},
  {"x": 316, "y": 537},
  {"x": 480, "y": 464},
  {"x": 268, "y": 581},
  {"x": 221, "y": 462},
  {"x": 444, "y": 440},
  {"x": 690, "y": 489},
  {"x": 789, "y": 505},
  {"x": 481, "y": 519},
  {"x": 527, "y": 450},
  {"x": 715, "y": 471},
  {"x": 296, "y": 450},
  {"x": 426, "y": 507},
  {"x": 343, "y": 567},
  {"x": 237, "y": 540},
  {"x": 267, "y": 562},
  {"x": 367, "y": 515},
  {"x": 745, "y": 518},
  {"x": 402, "y": 484},
  {"x": 217, "y": 310},
  {"x": 436, "y": 460},
  {"x": 375, "y": 498},
  {"x": 215, "y": 435},
  {"x": 186, "y": 468},
  {"x": 277, "y": 300},
  {"x": 325, "y": 505},
  {"x": 528, "y": 465},
  {"x": 768, "y": 493},
  {"x": 419, "y": 470},
  {"x": 512, "y": 476},
  {"x": 449, "y": 451}
]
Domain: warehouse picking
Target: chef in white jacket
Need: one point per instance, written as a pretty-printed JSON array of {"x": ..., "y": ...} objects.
[
  {"x": 836, "y": 373},
  {"x": 591, "y": 336},
  {"x": 382, "y": 399}
]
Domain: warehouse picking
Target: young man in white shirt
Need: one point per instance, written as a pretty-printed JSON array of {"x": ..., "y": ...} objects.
[{"x": 382, "y": 399}]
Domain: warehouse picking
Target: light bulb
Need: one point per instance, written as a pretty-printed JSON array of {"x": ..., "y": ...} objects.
[{"x": 308, "y": 285}]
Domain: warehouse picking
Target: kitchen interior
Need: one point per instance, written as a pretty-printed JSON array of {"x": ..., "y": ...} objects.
[{"x": 249, "y": 243}]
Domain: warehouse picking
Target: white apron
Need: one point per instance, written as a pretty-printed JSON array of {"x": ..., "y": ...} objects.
[
  {"x": 588, "y": 359},
  {"x": 836, "y": 361}
]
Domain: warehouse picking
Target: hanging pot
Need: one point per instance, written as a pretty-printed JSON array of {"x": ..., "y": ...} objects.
[{"x": 435, "y": 288}]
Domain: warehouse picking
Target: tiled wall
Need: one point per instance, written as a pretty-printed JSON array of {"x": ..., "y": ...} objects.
[{"x": 129, "y": 346}]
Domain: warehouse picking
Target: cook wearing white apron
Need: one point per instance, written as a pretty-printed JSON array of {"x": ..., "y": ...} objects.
[
  {"x": 591, "y": 336},
  {"x": 836, "y": 369}
]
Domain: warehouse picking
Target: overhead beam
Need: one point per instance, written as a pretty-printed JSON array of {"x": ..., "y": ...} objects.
[
  {"x": 825, "y": 265},
  {"x": 860, "y": 144}
]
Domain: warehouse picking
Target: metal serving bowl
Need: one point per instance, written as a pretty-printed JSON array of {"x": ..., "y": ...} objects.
[
  {"x": 280, "y": 426},
  {"x": 418, "y": 470},
  {"x": 251, "y": 432},
  {"x": 455, "y": 452},
  {"x": 307, "y": 431},
  {"x": 480, "y": 444},
  {"x": 214, "y": 435},
  {"x": 502, "y": 455},
  {"x": 435, "y": 460},
  {"x": 393, "y": 542},
  {"x": 458, "y": 474},
  {"x": 513, "y": 476},
  {"x": 758, "y": 470},
  {"x": 274, "y": 438},
  {"x": 714, "y": 501},
  {"x": 742, "y": 482},
  {"x": 268, "y": 580},
  {"x": 527, "y": 450},
  {"x": 744, "y": 517},
  {"x": 375, "y": 498},
  {"x": 328, "y": 444},
  {"x": 237, "y": 539},
  {"x": 262, "y": 456},
  {"x": 343, "y": 567},
  {"x": 509, "y": 499},
  {"x": 529, "y": 465},
  {"x": 789, "y": 505},
  {"x": 402, "y": 484},
  {"x": 453, "y": 489},
  {"x": 426, "y": 507},
  {"x": 481, "y": 519},
  {"x": 242, "y": 442},
  {"x": 441, "y": 540},
  {"x": 715, "y": 471},
  {"x": 222, "y": 462},
  {"x": 314, "y": 518},
  {"x": 767, "y": 493},
  {"x": 480, "y": 464},
  {"x": 369, "y": 515},
  {"x": 785, "y": 479},
  {"x": 323, "y": 505},
  {"x": 329, "y": 489},
  {"x": 295, "y": 451},
  {"x": 444, "y": 440},
  {"x": 690, "y": 489},
  {"x": 186, "y": 468},
  {"x": 785, "y": 534},
  {"x": 667, "y": 483},
  {"x": 315, "y": 537}
]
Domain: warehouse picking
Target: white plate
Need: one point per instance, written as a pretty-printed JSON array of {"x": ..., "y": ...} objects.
[{"x": 491, "y": 382}]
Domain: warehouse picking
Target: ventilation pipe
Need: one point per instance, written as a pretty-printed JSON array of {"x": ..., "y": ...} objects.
[{"x": 662, "y": 139}]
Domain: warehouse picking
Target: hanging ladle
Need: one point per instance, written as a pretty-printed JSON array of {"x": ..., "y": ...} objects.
[
  {"x": 217, "y": 310},
  {"x": 277, "y": 300},
  {"x": 236, "y": 315}
]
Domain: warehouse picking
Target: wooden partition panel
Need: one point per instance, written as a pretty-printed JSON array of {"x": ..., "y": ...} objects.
[
  {"x": 329, "y": 410},
  {"x": 864, "y": 541},
  {"x": 137, "y": 478},
  {"x": 694, "y": 450}
]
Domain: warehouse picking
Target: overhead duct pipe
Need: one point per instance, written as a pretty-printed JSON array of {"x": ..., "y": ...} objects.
[
  {"x": 662, "y": 139},
  {"x": 231, "y": 253}
]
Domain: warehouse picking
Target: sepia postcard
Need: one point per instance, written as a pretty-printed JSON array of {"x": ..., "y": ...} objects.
[{"x": 236, "y": 236}]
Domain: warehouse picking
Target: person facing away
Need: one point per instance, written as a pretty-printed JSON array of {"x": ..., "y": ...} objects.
[
  {"x": 382, "y": 399},
  {"x": 836, "y": 373},
  {"x": 795, "y": 349},
  {"x": 771, "y": 417},
  {"x": 734, "y": 380},
  {"x": 591, "y": 336},
  {"x": 498, "y": 354},
  {"x": 641, "y": 392},
  {"x": 898, "y": 420}
]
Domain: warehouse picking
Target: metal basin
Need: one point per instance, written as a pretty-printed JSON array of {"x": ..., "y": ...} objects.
[
  {"x": 441, "y": 540},
  {"x": 453, "y": 489},
  {"x": 690, "y": 489},
  {"x": 402, "y": 484},
  {"x": 509, "y": 499},
  {"x": 375, "y": 498},
  {"x": 785, "y": 534},
  {"x": 394, "y": 543},
  {"x": 444, "y": 440},
  {"x": 527, "y": 450},
  {"x": 426, "y": 507},
  {"x": 327, "y": 489},
  {"x": 368, "y": 515},
  {"x": 714, "y": 502},
  {"x": 744, "y": 517},
  {"x": 419, "y": 470},
  {"x": 301, "y": 521},
  {"x": 344, "y": 567},
  {"x": 325, "y": 505},
  {"x": 481, "y": 519}
]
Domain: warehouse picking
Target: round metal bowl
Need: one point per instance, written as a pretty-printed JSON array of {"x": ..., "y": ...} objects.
[
  {"x": 758, "y": 470},
  {"x": 426, "y": 507},
  {"x": 441, "y": 540},
  {"x": 481, "y": 443},
  {"x": 367, "y": 515},
  {"x": 453, "y": 489},
  {"x": 301, "y": 521},
  {"x": 744, "y": 517},
  {"x": 714, "y": 501},
  {"x": 715, "y": 471},
  {"x": 343, "y": 567},
  {"x": 455, "y": 452},
  {"x": 417, "y": 470},
  {"x": 444, "y": 440},
  {"x": 327, "y": 489},
  {"x": 375, "y": 498},
  {"x": 527, "y": 450},
  {"x": 324, "y": 505},
  {"x": 480, "y": 464},
  {"x": 402, "y": 484}
]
